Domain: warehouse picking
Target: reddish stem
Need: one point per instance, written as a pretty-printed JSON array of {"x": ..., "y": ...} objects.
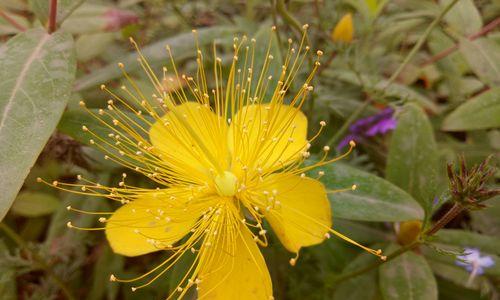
[
  {"x": 489, "y": 27},
  {"x": 53, "y": 16},
  {"x": 12, "y": 21}
]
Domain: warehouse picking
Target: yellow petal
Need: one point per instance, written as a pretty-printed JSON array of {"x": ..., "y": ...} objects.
[
  {"x": 191, "y": 151},
  {"x": 235, "y": 269},
  {"x": 297, "y": 209},
  {"x": 344, "y": 30},
  {"x": 267, "y": 137},
  {"x": 149, "y": 223}
]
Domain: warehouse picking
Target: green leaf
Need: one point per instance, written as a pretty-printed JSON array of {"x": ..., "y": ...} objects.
[
  {"x": 89, "y": 46},
  {"x": 263, "y": 36},
  {"x": 463, "y": 17},
  {"x": 408, "y": 277},
  {"x": 453, "y": 273},
  {"x": 483, "y": 56},
  {"x": 395, "y": 90},
  {"x": 464, "y": 239},
  {"x": 480, "y": 112},
  {"x": 375, "y": 199},
  {"x": 33, "y": 204},
  {"x": 72, "y": 121},
  {"x": 412, "y": 158},
  {"x": 363, "y": 286},
  {"x": 182, "y": 45},
  {"x": 36, "y": 75}
]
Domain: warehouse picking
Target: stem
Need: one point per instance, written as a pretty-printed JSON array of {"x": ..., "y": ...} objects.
[
  {"x": 37, "y": 258},
  {"x": 419, "y": 44},
  {"x": 489, "y": 27},
  {"x": 53, "y": 16},
  {"x": 368, "y": 268},
  {"x": 454, "y": 211},
  {"x": 287, "y": 17},
  {"x": 348, "y": 123},
  {"x": 450, "y": 215},
  {"x": 12, "y": 21}
]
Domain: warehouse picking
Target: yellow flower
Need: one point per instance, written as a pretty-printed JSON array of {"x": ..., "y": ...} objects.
[
  {"x": 223, "y": 160},
  {"x": 344, "y": 30}
]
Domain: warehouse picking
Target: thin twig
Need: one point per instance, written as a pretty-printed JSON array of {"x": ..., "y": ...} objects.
[
  {"x": 53, "y": 16},
  {"x": 448, "y": 217},
  {"x": 288, "y": 18},
  {"x": 37, "y": 258},
  {"x": 368, "y": 268},
  {"x": 419, "y": 44},
  {"x": 489, "y": 27},
  {"x": 451, "y": 214},
  {"x": 12, "y": 21}
]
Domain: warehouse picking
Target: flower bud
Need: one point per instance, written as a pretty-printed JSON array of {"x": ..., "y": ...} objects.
[
  {"x": 344, "y": 30},
  {"x": 409, "y": 231}
]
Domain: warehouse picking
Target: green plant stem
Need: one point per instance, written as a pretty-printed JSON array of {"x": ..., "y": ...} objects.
[
  {"x": 37, "y": 258},
  {"x": 419, "y": 44},
  {"x": 450, "y": 215},
  {"x": 454, "y": 211},
  {"x": 485, "y": 30},
  {"x": 287, "y": 17},
  {"x": 368, "y": 268},
  {"x": 408, "y": 58}
]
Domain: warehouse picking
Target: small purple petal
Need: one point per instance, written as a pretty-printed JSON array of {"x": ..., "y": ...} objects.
[
  {"x": 345, "y": 141},
  {"x": 486, "y": 262},
  {"x": 472, "y": 259}
]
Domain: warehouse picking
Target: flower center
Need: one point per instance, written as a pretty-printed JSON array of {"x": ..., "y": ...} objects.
[{"x": 226, "y": 184}]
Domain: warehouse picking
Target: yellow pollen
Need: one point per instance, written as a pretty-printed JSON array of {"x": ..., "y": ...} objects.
[{"x": 226, "y": 184}]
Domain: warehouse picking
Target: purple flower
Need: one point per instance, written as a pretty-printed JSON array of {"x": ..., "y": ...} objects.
[
  {"x": 473, "y": 262},
  {"x": 378, "y": 124}
]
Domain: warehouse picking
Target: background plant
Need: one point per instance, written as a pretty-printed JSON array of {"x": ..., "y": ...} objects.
[{"x": 436, "y": 64}]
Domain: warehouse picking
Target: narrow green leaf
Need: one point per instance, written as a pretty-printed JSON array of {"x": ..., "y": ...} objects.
[
  {"x": 454, "y": 274},
  {"x": 89, "y": 46},
  {"x": 36, "y": 76},
  {"x": 462, "y": 238},
  {"x": 375, "y": 199},
  {"x": 480, "y": 112},
  {"x": 107, "y": 264},
  {"x": 412, "y": 158},
  {"x": 33, "y": 204},
  {"x": 182, "y": 45},
  {"x": 483, "y": 56},
  {"x": 464, "y": 17},
  {"x": 408, "y": 277},
  {"x": 395, "y": 90}
]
